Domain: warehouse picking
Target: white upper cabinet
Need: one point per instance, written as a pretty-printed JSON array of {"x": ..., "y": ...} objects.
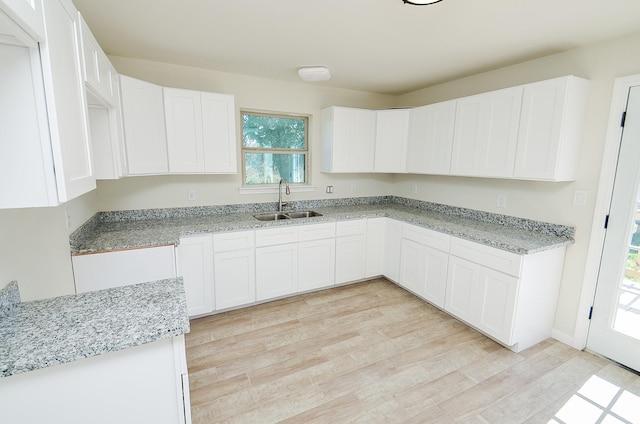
[
  {"x": 219, "y": 133},
  {"x": 392, "y": 132},
  {"x": 144, "y": 127},
  {"x": 28, "y": 14},
  {"x": 183, "y": 118},
  {"x": 348, "y": 139},
  {"x": 201, "y": 132},
  {"x": 551, "y": 127},
  {"x": 486, "y": 133},
  {"x": 431, "y": 138},
  {"x": 66, "y": 100},
  {"x": 98, "y": 72}
]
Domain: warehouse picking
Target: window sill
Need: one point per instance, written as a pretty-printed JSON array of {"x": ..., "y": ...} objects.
[{"x": 271, "y": 190}]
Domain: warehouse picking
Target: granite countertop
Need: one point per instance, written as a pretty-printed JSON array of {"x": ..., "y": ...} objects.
[
  {"x": 109, "y": 231},
  {"x": 44, "y": 333}
]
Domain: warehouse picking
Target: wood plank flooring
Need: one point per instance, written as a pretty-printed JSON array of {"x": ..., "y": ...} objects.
[{"x": 374, "y": 353}]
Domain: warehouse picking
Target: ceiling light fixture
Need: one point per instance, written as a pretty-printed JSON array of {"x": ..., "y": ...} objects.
[
  {"x": 421, "y": 2},
  {"x": 314, "y": 73}
]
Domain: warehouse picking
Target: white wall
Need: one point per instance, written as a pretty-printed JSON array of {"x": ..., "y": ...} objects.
[{"x": 601, "y": 64}]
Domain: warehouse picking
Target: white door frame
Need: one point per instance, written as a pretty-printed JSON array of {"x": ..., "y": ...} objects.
[{"x": 621, "y": 88}]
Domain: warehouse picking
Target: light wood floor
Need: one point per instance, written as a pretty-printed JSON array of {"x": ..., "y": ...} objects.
[{"x": 373, "y": 353}]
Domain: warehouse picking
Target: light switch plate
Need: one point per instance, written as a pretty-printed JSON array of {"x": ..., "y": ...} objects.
[{"x": 580, "y": 198}]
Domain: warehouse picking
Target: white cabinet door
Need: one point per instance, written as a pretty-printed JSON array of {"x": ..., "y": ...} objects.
[
  {"x": 463, "y": 280},
  {"x": 392, "y": 132},
  {"x": 423, "y": 270},
  {"x": 482, "y": 297},
  {"x": 348, "y": 139},
  {"x": 316, "y": 264},
  {"x": 96, "y": 68},
  {"x": 485, "y": 133},
  {"x": 276, "y": 271},
  {"x": 374, "y": 257},
  {"x": 66, "y": 100},
  {"x": 120, "y": 268},
  {"x": 496, "y": 304},
  {"x": 27, "y": 177},
  {"x": 350, "y": 258},
  {"x": 144, "y": 127},
  {"x": 393, "y": 241},
  {"x": 234, "y": 278},
  {"x": 28, "y": 14},
  {"x": 183, "y": 119},
  {"x": 195, "y": 266},
  {"x": 219, "y": 133},
  {"x": 551, "y": 127},
  {"x": 431, "y": 138}
]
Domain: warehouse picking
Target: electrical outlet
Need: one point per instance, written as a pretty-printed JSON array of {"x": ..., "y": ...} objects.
[
  {"x": 354, "y": 188},
  {"x": 502, "y": 201},
  {"x": 191, "y": 195},
  {"x": 329, "y": 189},
  {"x": 414, "y": 189}
]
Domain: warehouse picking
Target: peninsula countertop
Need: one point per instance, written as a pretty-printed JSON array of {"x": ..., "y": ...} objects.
[
  {"x": 109, "y": 231},
  {"x": 44, "y": 333}
]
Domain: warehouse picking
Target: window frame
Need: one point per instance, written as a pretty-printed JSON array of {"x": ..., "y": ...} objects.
[{"x": 305, "y": 152}]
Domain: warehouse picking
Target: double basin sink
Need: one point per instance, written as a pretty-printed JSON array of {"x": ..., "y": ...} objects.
[{"x": 277, "y": 216}]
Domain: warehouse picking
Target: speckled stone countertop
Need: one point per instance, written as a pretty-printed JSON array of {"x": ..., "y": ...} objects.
[
  {"x": 109, "y": 231},
  {"x": 44, "y": 333}
]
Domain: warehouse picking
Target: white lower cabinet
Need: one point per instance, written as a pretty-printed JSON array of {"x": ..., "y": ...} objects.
[
  {"x": 234, "y": 269},
  {"x": 143, "y": 384},
  {"x": 276, "y": 271},
  {"x": 350, "y": 250},
  {"x": 392, "y": 246},
  {"x": 316, "y": 256},
  {"x": 194, "y": 257},
  {"x": 510, "y": 297},
  {"x": 374, "y": 257},
  {"x": 423, "y": 264},
  {"x": 120, "y": 268}
]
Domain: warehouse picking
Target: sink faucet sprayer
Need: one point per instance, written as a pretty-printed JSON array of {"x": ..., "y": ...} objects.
[{"x": 287, "y": 192}]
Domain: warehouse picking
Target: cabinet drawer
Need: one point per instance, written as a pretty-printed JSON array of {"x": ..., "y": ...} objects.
[
  {"x": 273, "y": 236},
  {"x": 500, "y": 260},
  {"x": 317, "y": 231},
  {"x": 426, "y": 237},
  {"x": 233, "y": 241},
  {"x": 351, "y": 228}
]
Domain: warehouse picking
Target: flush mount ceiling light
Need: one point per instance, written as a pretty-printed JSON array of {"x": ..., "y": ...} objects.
[
  {"x": 421, "y": 2},
  {"x": 314, "y": 73}
]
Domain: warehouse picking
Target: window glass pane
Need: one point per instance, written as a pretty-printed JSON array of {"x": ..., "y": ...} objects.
[
  {"x": 268, "y": 168},
  {"x": 273, "y": 132}
]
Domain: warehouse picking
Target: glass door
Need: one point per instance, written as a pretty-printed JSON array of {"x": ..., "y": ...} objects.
[{"x": 615, "y": 323}]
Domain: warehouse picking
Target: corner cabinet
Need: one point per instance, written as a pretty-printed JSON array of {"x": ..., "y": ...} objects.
[
  {"x": 392, "y": 131},
  {"x": 431, "y": 138},
  {"x": 348, "y": 139}
]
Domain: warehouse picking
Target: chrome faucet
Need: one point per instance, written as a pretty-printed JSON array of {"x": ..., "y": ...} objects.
[{"x": 287, "y": 191}]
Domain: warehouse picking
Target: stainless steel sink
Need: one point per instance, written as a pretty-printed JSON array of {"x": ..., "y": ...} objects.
[
  {"x": 271, "y": 216},
  {"x": 276, "y": 216},
  {"x": 302, "y": 214}
]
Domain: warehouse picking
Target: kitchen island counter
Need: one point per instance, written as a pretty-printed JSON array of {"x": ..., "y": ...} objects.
[{"x": 44, "y": 333}]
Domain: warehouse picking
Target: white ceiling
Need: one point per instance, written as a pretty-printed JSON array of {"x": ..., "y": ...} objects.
[{"x": 381, "y": 46}]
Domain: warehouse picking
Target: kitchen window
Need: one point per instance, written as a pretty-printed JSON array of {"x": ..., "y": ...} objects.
[{"x": 274, "y": 146}]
